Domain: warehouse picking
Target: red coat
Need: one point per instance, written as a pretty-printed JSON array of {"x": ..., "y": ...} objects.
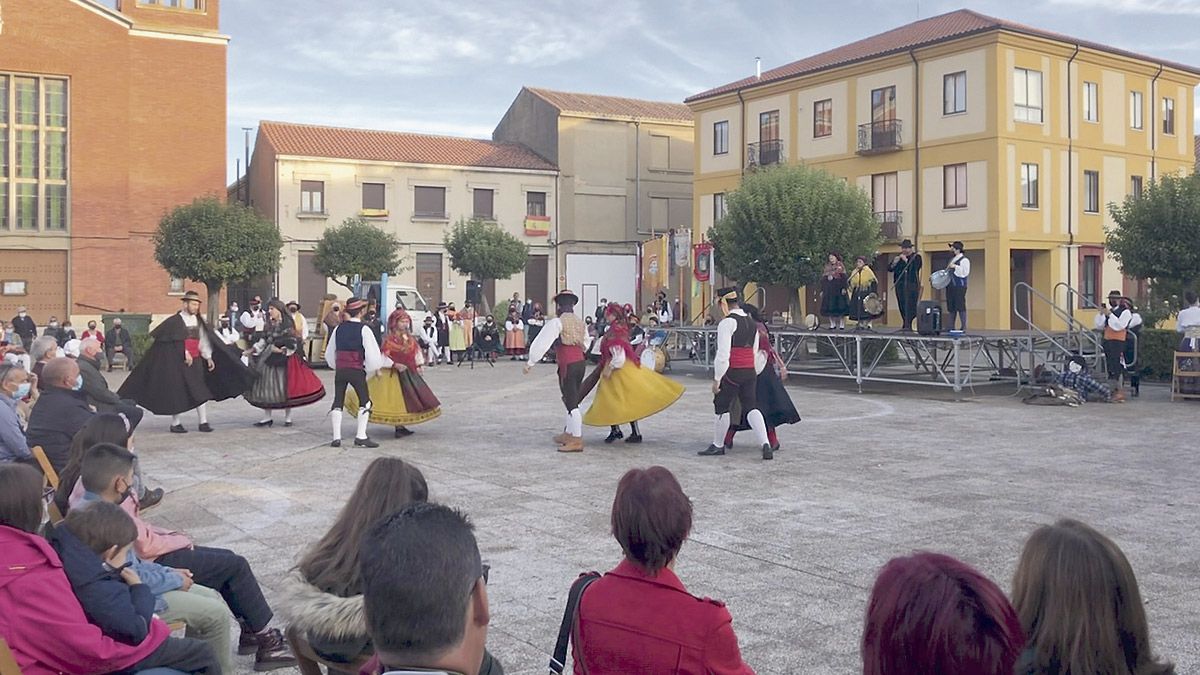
[
  {"x": 630, "y": 622},
  {"x": 42, "y": 622}
]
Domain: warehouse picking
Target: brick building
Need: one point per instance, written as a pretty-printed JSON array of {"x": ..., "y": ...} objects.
[{"x": 110, "y": 114}]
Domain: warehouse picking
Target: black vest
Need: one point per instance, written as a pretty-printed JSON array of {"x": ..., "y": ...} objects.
[
  {"x": 746, "y": 333},
  {"x": 348, "y": 338}
]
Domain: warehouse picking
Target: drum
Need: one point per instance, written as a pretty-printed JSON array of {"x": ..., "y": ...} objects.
[
  {"x": 873, "y": 305},
  {"x": 940, "y": 279},
  {"x": 660, "y": 359},
  {"x": 811, "y": 322}
]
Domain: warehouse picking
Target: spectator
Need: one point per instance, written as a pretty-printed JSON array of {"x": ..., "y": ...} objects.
[
  {"x": 95, "y": 386},
  {"x": 216, "y": 568},
  {"x": 68, "y": 332},
  {"x": 14, "y": 386},
  {"x": 60, "y": 413},
  {"x": 103, "y": 428},
  {"x": 930, "y": 613},
  {"x": 40, "y": 618},
  {"x": 324, "y": 601},
  {"x": 55, "y": 330},
  {"x": 93, "y": 544},
  {"x": 93, "y": 333},
  {"x": 1077, "y": 378},
  {"x": 425, "y": 593},
  {"x": 177, "y": 597},
  {"x": 639, "y": 617},
  {"x": 8, "y": 336},
  {"x": 118, "y": 341},
  {"x": 1078, "y": 600},
  {"x": 24, "y": 326},
  {"x": 43, "y": 350}
]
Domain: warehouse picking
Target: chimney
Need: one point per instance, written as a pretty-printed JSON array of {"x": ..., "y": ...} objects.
[{"x": 758, "y": 67}]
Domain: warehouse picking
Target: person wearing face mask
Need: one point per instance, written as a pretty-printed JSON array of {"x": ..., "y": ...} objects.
[
  {"x": 14, "y": 386},
  {"x": 42, "y": 351},
  {"x": 1114, "y": 320},
  {"x": 95, "y": 386},
  {"x": 24, "y": 326},
  {"x": 93, "y": 333},
  {"x": 252, "y": 320},
  {"x": 61, "y": 411},
  {"x": 118, "y": 341},
  {"x": 56, "y": 331}
]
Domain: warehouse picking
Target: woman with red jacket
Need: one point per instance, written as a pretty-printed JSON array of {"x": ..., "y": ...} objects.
[
  {"x": 40, "y": 618},
  {"x": 639, "y": 618}
]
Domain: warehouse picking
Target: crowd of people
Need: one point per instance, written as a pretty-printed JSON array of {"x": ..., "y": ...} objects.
[{"x": 398, "y": 584}]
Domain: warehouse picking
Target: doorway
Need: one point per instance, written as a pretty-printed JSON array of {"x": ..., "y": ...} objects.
[
  {"x": 429, "y": 277},
  {"x": 1020, "y": 270},
  {"x": 537, "y": 278}
]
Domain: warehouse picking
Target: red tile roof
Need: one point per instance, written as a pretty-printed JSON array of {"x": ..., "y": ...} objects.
[
  {"x": 308, "y": 140},
  {"x": 613, "y": 106},
  {"x": 958, "y": 24}
]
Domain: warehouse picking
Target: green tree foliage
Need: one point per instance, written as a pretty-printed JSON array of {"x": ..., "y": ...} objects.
[
  {"x": 482, "y": 250},
  {"x": 783, "y": 222},
  {"x": 357, "y": 247},
  {"x": 215, "y": 244},
  {"x": 1157, "y": 235}
]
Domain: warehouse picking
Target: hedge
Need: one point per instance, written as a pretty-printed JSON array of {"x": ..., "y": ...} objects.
[{"x": 1156, "y": 349}]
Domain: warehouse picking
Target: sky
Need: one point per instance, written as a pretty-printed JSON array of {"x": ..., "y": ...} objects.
[{"x": 454, "y": 66}]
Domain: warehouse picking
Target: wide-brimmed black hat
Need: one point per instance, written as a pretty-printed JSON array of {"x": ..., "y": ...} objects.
[
  {"x": 191, "y": 296},
  {"x": 729, "y": 293},
  {"x": 907, "y": 243},
  {"x": 566, "y": 294}
]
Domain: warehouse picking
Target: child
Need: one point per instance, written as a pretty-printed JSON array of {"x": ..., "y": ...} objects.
[{"x": 94, "y": 544}]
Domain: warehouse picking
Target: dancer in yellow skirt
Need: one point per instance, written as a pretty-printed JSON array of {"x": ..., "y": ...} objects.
[
  {"x": 626, "y": 392},
  {"x": 399, "y": 395}
]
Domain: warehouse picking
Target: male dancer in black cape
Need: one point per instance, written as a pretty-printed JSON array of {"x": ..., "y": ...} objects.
[
  {"x": 735, "y": 374},
  {"x": 185, "y": 368}
]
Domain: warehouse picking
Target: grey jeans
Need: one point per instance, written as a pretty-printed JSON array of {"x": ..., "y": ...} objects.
[{"x": 207, "y": 617}]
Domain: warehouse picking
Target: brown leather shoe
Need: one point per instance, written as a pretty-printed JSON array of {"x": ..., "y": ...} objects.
[
  {"x": 273, "y": 652},
  {"x": 572, "y": 444}
]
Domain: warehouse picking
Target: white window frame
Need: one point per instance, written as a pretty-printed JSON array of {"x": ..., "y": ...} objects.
[
  {"x": 721, "y": 133},
  {"x": 1136, "y": 110},
  {"x": 954, "y": 185},
  {"x": 1030, "y": 187},
  {"x": 1091, "y": 102},
  {"x": 954, "y": 93},
  {"x": 1091, "y": 191},
  {"x": 1168, "y": 116},
  {"x": 720, "y": 207},
  {"x": 1023, "y": 109}
]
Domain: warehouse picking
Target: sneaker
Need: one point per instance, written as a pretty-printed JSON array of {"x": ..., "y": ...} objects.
[
  {"x": 150, "y": 499},
  {"x": 365, "y": 443}
]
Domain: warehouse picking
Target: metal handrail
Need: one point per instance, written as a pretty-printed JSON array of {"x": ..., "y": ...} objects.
[
  {"x": 1034, "y": 328},
  {"x": 1088, "y": 304}
]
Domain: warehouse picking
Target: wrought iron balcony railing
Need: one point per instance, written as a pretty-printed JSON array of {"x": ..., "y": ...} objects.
[
  {"x": 765, "y": 153},
  {"x": 890, "y": 224},
  {"x": 876, "y": 137}
]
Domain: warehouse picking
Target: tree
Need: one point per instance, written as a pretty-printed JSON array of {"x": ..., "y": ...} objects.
[
  {"x": 215, "y": 244},
  {"x": 783, "y": 222},
  {"x": 482, "y": 250},
  {"x": 1156, "y": 234},
  {"x": 357, "y": 247}
]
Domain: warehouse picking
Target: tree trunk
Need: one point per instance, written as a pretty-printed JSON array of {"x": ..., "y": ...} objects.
[
  {"x": 345, "y": 284},
  {"x": 214, "y": 299}
]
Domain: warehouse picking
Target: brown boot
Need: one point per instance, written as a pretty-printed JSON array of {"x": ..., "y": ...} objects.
[
  {"x": 572, "y": 444},
  {"x": 273, "y": 652},
  {"x": 562, "y": 438}
]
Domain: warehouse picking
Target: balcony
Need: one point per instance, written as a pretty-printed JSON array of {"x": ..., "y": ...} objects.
[
  {"x": 890, "y": 225},
  {"x": 764, "y": 153},
  {"x": 878, "y": 137}
]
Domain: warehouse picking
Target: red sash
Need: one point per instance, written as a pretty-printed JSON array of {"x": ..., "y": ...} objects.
[
  {"x": 353, "y": 360},
  {"x": 565, "y": 355},
  {"x": 741, "y": 357},
  {"x": 192, "y": 347}
]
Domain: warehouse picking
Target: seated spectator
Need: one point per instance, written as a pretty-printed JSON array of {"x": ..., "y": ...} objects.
[
  {"x": 55, "y": 330},
  {"x": 425, "y": 593},
  {"x": 14, "y": 386},
  {"x": 107, "y": 474},
  {"x": 103, "y": 428},
  {"x": 95, "y": 386},
  {"x": 60, "y": 413},
  {"x": 930, "y": 613},
  {"x": 639, "y": 617},
  {"x": 94, "y": 543},
  {"x": 40, "y": 618},
  {"x": 44, "y": 350},
  {"x": 323, "y": 595},
  {"x": 1077, "y": 378},
  {"x": 1078, "y": 600},
  {"x": 176, "y": 596},
  {"x": 118, "y": 341},
  {"x": 92, "y": 333}
]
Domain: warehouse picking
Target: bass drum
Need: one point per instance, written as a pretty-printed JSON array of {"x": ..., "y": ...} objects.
[
  {"x": 656, "y": 358},
  {"x": 940, "y": 279}
]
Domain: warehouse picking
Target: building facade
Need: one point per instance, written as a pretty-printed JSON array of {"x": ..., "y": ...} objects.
[
  {"x": 98, "y": 104},
  {"x": 964, "y": 127},
  {"x": 309, "y": 178},
  {"x": 625, "y": 176}
]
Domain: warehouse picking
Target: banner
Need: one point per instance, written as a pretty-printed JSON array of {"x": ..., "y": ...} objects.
[
  {"x": 537, "y": 226},
  {"x": 702, "y": 257},
  {"x": 681, "y": 242},
  {"x": 656, "y": 265}
]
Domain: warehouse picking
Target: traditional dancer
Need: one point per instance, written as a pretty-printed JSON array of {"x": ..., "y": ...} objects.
[
  {"x": 736, "y": 367},
  {"x": 429, "y": 341},
  {"x": 567, "y": 334},
  {"x": 773, "y": 399},
  {"x": 284, "y": 379},
  {"x": 399, "y": 395},
  {"x": 185, "y": 368},
  {"x": 626, "y": 392},
  {"x": 514, "y": 335},
  {"x": 458, "y": 334},
  {"x": 355, "y": 354},
  {"x": 443, "y": 332}
]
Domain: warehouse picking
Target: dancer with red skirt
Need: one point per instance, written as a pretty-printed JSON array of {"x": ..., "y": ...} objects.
[{"x": 285, "y": 381}]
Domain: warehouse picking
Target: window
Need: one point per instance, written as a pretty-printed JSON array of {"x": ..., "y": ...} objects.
[
  {"x": 954, "y": 93},
  {"x": 719, "y": 206},
  {"x": 1091, "y": 192},
  {"x": 176, "y": 287},
  {"x": 1027, "y": 95},
  {"x": 373, "y": 197},
  {"x": 1169, "y": 116},
  {"x": 1029, "y": 186},
  {"x": 1135, "y": 186},
  {"x": 954, "y": 186},
  {"x": 312, "y": 196},
  {"x": 823, "y": 118},
  {"x": 33, "y": 153},
  {"x": 883, "y": 104},
  {"x": 429, "y": 202},
  {"x": 721, "y": 137},
  {"x": 1090, "y": 266},
  {"x": 1135, "y": 109},
  {"x": 535, "y": 203},
  {"x": 193, "y": 5},
  {"x": 1091, "y": 111},
  {"x": 884, "y": 194},
  {"x": 768, "y": 126},
  {"x": 483, "y": 200}
]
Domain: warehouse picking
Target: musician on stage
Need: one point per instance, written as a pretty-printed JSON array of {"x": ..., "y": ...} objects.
[
  {"x": 956, "y": 292},
  {"x": 906, "y": 279},
  {"x": 1114, "y": 320},
  {"x": 735, "y": 374}
]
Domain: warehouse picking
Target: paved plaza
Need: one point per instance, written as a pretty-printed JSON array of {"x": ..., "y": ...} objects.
[{"x": 791, "y": 545}]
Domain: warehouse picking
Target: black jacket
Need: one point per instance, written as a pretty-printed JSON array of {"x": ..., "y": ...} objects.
[
  {"x": 96, "y": 387},
  {"x": 26, "y": 328},
  {"x": 118, "y": 336},
  {"x": 58, "y": 415},
  {"x": 122, "y": 612}
]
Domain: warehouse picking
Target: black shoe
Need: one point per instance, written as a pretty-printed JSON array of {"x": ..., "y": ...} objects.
[
  {"x": 634, "y": 438},
  {"x": 150, "y": 499},
  {"x": 767, "y": 452},
  {"x": 265, "y": 423},
  {"x": 775, "y": 448},
  {"x": 401, "y": 432},
  {"x": 614, "y": 435},
  {"x": 287, "y": 423},
  {"x": 178, "y": 429},
  {"x": 365, "y": 443},
  {"x": 204, "y": 427},
  {"x": 711, "y": 451},
  {"x": 336, "y": 443}
]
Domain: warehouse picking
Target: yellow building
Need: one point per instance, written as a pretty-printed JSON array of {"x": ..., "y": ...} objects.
[{"x": 964, "y": 127}]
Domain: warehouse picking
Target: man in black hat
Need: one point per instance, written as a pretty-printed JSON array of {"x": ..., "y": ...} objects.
[
  {"x": 185, "y": 369},
  {"x": 1114, "y": 320},
  {"x": 567, "y": 333},
  {"x": 906, "y": 279},
  {"x": 735, "y": 374},
  {"x": 355, "y": 355}
]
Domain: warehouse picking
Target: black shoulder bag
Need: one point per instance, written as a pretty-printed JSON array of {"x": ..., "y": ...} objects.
[{"x": 558, "y": 661}]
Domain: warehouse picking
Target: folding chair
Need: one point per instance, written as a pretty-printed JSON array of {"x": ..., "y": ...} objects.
[
  {"x": 1180, "y": 375},
  {"x": 50, "y": 478}
]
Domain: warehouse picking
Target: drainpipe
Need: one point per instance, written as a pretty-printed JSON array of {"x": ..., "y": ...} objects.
[
  {"x": 1070, "y": 183},
  {"x": 742, "y": 124},
  {"x": 916, "y": 146},
  {"x": 637, "y": 179},
  {"x": 1154, "y": 124}
]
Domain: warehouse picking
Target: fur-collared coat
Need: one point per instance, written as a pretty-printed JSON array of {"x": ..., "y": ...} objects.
[{"x": 334, "y": 626}]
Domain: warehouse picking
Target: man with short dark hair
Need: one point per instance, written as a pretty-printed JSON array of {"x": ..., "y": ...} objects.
[
  {"x": 1113, "y": 320},
  {"x": 54, "y": 330},
  {"x": 61, "y": 411},
  {"x": 425, "y": 593}
]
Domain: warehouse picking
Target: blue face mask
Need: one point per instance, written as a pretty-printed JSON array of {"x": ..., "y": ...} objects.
[
  {"x": 78, "y": 383},
  {"x": 22, "y": 391}
]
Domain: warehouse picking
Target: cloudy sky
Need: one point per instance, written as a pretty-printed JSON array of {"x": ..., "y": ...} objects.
[{"x": 453, "y": 66}]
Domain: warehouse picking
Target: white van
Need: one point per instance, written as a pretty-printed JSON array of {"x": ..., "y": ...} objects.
[{"x": 408, "y": 298}]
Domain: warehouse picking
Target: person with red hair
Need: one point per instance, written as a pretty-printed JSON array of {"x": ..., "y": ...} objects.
[
  {"x": 399, "y": 395},
  {"x": 930, "y": 613}
]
